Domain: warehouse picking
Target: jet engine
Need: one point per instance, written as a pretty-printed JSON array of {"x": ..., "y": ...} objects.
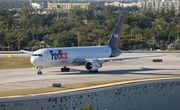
[{"x": 92, "y": 66}]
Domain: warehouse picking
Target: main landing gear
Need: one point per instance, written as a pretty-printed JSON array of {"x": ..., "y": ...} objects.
[
  {"x": 39, "y": 70},
  {"x": 94, "y": 71},
  {"x": 65, "y": 69}
]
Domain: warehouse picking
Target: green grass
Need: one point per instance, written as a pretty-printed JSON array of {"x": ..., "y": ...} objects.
[
  {"x": 54, "y": 89},
  {"x": 12, "y": 63}
]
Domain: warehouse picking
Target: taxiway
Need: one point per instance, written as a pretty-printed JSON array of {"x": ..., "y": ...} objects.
[{"x": 25, "y": 78}]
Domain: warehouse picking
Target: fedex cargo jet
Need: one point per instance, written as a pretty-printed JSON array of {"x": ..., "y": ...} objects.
[{"x": 91, "y": 56}]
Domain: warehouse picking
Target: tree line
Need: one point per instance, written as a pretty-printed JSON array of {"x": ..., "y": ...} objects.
[{"x": 34, "y": 29}]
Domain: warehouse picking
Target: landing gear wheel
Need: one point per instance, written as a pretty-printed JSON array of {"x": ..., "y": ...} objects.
[
  {"x": 39, "y": 70},
  {"x": 62, "y": 69},
  {"x": 65, "y": 69},
  {"x": 95, "y": 71}
]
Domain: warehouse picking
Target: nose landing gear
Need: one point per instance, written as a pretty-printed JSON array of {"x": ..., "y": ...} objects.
[{"x": 39, "y": 70}]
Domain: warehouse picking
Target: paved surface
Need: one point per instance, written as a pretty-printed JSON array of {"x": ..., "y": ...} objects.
[
  {"x": 14, "y": 55},
  {"x": 13, "y": 79}
]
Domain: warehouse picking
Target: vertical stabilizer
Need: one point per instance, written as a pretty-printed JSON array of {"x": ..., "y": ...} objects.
[{"x": 116, "y": 35}]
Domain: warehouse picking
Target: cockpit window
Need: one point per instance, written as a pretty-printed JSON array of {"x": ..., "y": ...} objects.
[{"x": 40, "y": 55}]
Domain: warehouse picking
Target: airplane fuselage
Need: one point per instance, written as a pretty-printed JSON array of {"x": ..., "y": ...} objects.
[{"x": 67, "y": 55}]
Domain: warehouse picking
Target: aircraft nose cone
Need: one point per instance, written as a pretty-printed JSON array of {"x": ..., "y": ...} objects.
[{"x": 33, "y": 61}]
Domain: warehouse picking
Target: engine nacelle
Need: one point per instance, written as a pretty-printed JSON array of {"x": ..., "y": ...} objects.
[{"x": 92, "y": 65}]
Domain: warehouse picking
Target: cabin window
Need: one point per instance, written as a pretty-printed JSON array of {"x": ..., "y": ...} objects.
[{"x": 40, "y": 55}]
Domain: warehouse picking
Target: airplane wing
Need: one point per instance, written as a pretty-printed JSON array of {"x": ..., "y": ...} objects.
[
  {"x": 127, "y": 58},
  {"x": 115, "y": 58},
  {"x": 27, "y": 52}
]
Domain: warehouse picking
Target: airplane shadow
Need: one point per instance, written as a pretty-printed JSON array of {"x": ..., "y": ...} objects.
[{"x": 142, "y": 70}]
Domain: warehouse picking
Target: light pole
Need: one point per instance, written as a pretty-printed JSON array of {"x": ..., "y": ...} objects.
[
  {"x": 8, "y": 46},
  {"x": 68, "y": 15},
  {"x": 131, "y": 31},
  {"x": 33, "y": 33},
  {"x": 19, "y": 41},
  {"x": 169, "y": 37}
]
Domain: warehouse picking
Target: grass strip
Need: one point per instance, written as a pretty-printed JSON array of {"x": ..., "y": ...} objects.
[
  {"x": 16, "y": 62},
  {"x": 54, "y": 89}
]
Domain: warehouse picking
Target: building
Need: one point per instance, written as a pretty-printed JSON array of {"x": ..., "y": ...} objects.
[
  {"x": 69, "y": 5},
  {"x": 153, "y": 4},
  {"x": 37, "y": 5},
  {"x": 117, "y": 4}
]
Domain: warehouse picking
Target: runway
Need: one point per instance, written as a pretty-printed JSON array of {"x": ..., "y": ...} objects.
[{"x": 14, "y": 79}]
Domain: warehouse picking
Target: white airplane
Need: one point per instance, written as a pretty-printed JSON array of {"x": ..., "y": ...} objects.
[{"x": 91, "y": 56}]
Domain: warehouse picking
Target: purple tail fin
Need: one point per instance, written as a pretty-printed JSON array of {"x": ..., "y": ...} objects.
[{"x": 116, "y": 35}]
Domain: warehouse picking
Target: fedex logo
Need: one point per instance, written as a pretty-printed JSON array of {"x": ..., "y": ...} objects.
[{"x": 59, "y": 55}]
